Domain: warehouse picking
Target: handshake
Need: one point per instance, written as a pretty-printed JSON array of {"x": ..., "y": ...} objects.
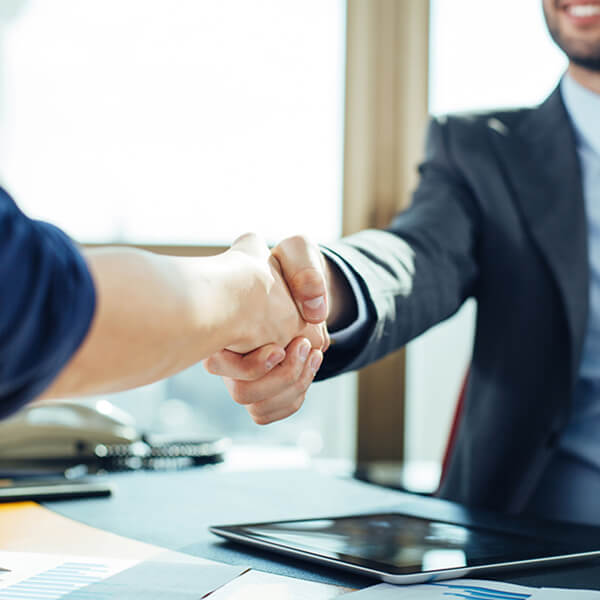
[{"x": 277, "y": 324}]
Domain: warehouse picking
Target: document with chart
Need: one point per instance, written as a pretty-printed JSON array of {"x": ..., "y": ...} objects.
[
  {"x": 469, "y": 589},
  {"x": 30, "y": 576}
]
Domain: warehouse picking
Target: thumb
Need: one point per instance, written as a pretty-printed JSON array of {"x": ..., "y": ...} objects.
[{"x": 303, "y": 269}]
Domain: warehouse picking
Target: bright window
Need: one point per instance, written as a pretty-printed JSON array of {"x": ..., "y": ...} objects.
[
  {"x": 487, "y": 54},
  {"x": 153, "y": 121},
  {"x": 187, "y": 122}
]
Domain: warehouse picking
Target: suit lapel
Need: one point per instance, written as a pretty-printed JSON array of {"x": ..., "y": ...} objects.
[{"x": 544, "y": 170}]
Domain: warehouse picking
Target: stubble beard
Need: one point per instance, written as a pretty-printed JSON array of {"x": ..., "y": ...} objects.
[{"x": 583, "y": 54}]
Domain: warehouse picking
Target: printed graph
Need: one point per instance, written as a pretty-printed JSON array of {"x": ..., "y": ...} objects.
[
  {"x": 56, "y": 582},
  {"x": 475, "y": 592}
]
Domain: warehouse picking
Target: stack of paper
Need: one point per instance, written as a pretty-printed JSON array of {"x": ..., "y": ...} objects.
[{"x": 470, "y": 589}]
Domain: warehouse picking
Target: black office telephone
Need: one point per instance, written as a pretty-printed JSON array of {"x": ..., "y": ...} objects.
[{"x": 58, "y": 435}]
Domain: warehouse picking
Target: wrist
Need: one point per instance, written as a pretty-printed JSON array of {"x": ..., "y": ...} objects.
[{"x": 342, "y": 305}]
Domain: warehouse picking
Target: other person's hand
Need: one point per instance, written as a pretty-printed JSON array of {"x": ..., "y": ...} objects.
[{"x": 268, "y": 312}]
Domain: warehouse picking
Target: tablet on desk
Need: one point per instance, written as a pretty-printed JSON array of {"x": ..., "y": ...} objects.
[{"x": 400, "y": 548}]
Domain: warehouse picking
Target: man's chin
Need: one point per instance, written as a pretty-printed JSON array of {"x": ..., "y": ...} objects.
[
  {"x": 582, "y": 47},
  {"x": 583, "y": 53},
  {"x": 590, "y": 63}
]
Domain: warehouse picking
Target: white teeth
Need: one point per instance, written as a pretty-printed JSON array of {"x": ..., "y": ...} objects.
[{"x": 584, "y": 10}]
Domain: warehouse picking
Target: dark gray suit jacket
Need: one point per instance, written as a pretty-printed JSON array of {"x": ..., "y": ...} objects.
[{"x": 498, "y": 215}]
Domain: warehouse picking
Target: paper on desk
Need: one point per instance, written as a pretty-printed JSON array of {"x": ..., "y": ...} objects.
[
  {"x": 560, "y": 593},
  {"x": 471, "y": 589},
  {"x": 168, "y": 575},
  {"x": 32, "y": 574},
  {"x": 53, "y": 577}
]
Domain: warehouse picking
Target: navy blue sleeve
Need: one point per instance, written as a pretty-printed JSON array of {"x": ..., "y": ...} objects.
[{"x": 47, "y": 302}]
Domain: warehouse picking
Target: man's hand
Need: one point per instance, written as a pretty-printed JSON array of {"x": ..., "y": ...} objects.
[
  {"x": 303, "y": 268},
  {"x": 272, "y": 393},
  {"x": 268, "y": 393}
]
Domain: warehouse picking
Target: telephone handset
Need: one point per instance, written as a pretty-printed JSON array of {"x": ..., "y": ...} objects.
[{"x": 53, "y": 436}]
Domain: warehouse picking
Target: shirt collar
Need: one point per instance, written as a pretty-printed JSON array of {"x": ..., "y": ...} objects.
[{"x": 583, "y": 107}]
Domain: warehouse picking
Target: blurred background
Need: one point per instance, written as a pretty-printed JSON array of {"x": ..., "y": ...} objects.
[{"x": 177, "y": 126}]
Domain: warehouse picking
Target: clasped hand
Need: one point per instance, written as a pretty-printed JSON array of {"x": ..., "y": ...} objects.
[
  {"x": 271, "y": 366},
  {"x": 268, "y": 313}
]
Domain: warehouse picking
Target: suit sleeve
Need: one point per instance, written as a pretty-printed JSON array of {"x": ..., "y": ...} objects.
[
  {"x": 47, "y": 304},
  {"x": 419, "y": 270}
]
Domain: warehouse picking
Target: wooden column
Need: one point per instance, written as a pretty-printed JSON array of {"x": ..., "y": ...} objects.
[{"x": 386, "y": 112}]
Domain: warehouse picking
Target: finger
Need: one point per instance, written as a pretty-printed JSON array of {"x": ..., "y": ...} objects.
[
  {"x": 280, "y": 379},
  {"x": 290, "y": 401},
  {"x": 247, "y": 367},
  {"x": 303, "y": 269},
  {"x": 316, "y": 334},
  {"x": 326, "y": 338},
  {"x": 252, "y": 244}
]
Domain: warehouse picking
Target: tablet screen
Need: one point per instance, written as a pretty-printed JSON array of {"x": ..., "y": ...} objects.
[{"x": 400, "y": 543}]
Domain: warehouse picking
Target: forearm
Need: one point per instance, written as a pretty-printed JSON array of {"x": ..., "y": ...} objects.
[{"x": 155, "y": 315}]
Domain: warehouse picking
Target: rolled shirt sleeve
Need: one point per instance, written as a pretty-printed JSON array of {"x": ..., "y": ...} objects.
[{"x": 47, "y": 301}]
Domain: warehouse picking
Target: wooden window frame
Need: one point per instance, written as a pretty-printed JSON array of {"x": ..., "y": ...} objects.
[{"x": 386, "y": 113}]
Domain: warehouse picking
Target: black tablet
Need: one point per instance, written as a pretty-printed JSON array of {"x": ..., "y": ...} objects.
[{"x": 400, "y": 548}]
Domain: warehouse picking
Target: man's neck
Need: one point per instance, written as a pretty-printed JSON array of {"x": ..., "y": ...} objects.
[{"x": 585, "y": 77}]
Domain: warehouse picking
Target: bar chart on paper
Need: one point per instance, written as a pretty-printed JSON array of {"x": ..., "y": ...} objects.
[
  {"x": 480, "y": 591},
  {"x": 469, "y": 589},
  {"x": 30, "y": 576}
]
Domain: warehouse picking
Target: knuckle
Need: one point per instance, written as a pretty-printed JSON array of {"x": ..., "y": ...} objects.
[
  {"x": 296, "y": 244},
  {"x": 209, "y": 365},
  {"x": 297, "y": 404},
  {"x": 252, "y": 396},
  {"x": 322, "y": 336},
  {"x": 252, "y": 371},
  {"x": 261, "y": 419},
  {"x": 301, "y": 385},
  {"x": 315, "y": 335},
  {"x": 292, "y": 408},
  {"x": 298, "y": 241},
  {"x": 289, "y": 377},
  {"x": 253, "y": 393},
  {"x": 309, "y": 281},
  {"x": 239, "y": 392}
]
